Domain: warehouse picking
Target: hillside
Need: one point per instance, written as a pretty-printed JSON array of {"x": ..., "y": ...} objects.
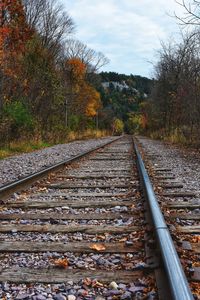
[{"x": 121, "y": 96}]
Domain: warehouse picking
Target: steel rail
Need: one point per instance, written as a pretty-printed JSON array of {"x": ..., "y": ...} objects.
[
  {"x": 179, "y": 286},
  {"x": 14, "y": 186}
]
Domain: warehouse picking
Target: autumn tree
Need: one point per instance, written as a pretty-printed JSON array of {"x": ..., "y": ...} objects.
[
  {"x": 14, "y": 34},
  {"x": 82, "y": 98},
  {"x": 40, "y": 80}
]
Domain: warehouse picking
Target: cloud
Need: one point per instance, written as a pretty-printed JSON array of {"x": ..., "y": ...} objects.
[{"x": 127, "y": 32}]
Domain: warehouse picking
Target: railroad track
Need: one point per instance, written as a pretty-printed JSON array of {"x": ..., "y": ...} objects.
[{"x": 85, "y": 231}]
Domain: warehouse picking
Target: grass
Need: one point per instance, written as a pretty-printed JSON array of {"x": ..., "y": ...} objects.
[
  {"x": 18, "y": 147},
  {"x": 21, "y": 147}
]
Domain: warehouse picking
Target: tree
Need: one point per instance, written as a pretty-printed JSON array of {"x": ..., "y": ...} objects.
[
  {"x": 118, "y": 126},
  {"x": 175, "y": 98},
  {"x": 14, "y": 34},
  {"x": 192, "y": 12},
  {"x": 51, "y": 22},
  {"x": 82, "y": 98},
  {"x": 92, "y": 59}
]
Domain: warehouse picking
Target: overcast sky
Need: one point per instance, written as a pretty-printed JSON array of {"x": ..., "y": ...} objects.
[{"x": 128, "y": 32}]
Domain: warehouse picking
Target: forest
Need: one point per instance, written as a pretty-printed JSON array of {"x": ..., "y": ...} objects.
[
  {"x": 52, "y": 88},
  {"x": 46, "y": 77},
  {"x": 173, "y": 110}
]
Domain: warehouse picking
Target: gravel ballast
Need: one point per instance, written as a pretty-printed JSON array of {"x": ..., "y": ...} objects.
[
  {"x": 184, "y": 163},
  {"x": 18, "y": 166}
]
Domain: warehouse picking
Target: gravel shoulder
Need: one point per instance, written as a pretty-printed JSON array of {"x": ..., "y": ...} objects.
[
  {"x": 18, "y": 166},
  {"x": 184, "y": 162}
]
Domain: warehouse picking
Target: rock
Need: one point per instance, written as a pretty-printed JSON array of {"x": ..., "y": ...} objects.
[
  {"x": 82, "y": 292},
  {"x": 113, "y": 285},
  {"x": 80, "y": 264},
  {"x": 116, "y": 261},
  {"x": 113, "y": 292},
  {"x": 117, "y": 208},
  {"x": 151, "y": 295},
  {"x": 126, "y": 296},
  {"x": 135, "y": 289},
  {"x": 122, "y": 286},
  {"x": 59, "y": 297},
  {"x": 101, "y": 261},
  {"x": 22, "y": 297},
  {"x": 40, "y": 297},
  {"x": 71, "y": 297},
  {"x": 129, "y": 243}
]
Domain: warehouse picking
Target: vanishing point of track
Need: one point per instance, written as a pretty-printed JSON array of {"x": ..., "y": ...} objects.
[{"x": 93, "y": 221}]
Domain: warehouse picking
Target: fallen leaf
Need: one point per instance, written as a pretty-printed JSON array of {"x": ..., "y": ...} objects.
[
  {"x": 196, "y": 239},
  {"x": 87, "y": 281},
  {"x": 123, "y": 239},
  {"x": 101, "y": 237},
  {"x": 96, "y": 283},
  {"x": 98, "y": 247},
  {"x": 61, "y": 262}
]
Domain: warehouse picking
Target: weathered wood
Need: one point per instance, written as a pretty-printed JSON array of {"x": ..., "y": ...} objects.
[
  {"x": 189, "y": 229},
  {"x": 104, "y": 169},
  {"x": 90, "y": 194},
  {"x": 66, "y": 216},
  {"x": 110, "y": 159},
  {"x": 162, "y": 169},
  {"x": 89, "y": 229},
  {"x": 114, "y": 152},
  {"x": 184, "y": 216},
  {"x": 73, "y": 204},
  {"x": 183, "y": 204},
  {"x": 165, "y": 177},
  {"x": 83, "y": 247},
  {"x": 172, "y": 186},
  {"x": 65, "y": 185},
  {"x": 94, "y": 176},
  {"x": 180, "y": 194},
  {"x": 55, "y": 275}
]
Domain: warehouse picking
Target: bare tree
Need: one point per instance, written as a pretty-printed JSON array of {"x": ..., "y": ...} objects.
[
  {"x": 50, "y": 20},
  {"x": 92, "y": 59},
  {"x": 176, "y": 105},
  {"x": 192, "y": 12}
]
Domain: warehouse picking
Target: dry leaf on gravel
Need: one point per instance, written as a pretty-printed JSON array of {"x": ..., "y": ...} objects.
[
  {"x": 97, "y": 247},
  {"x": 123, "y": 240},
  {"x": 61, "y": 262},
  {"x": 87, "y": 281},
  {"x": 101, "y": 237},
  {"x": 96, "y": 283},
  {"x": 196, "y": 239}
]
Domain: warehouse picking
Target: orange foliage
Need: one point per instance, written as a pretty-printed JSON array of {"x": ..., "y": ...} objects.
[
  {"x": 76, "y": 68},
  {"x": 14, "y": 31},
  {"x": 87, "y": 98}
]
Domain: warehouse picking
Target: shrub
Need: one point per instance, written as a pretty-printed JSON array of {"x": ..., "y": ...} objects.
[{"x": 118, "y": 127}]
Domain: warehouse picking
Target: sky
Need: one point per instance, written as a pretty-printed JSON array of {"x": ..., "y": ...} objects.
[{"x": 128, "y": 32}]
